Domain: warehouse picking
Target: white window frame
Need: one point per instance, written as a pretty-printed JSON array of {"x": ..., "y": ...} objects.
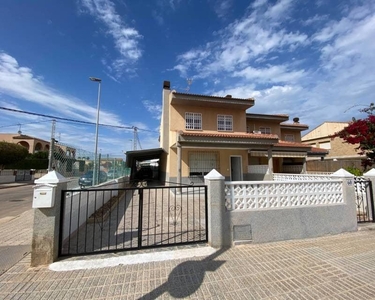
[
  {"x": 224, "y": 123},
  {"x": 196, "y": 121},
  {"x": 265, "y": 130},
  {"x": 289, "y": 137}
]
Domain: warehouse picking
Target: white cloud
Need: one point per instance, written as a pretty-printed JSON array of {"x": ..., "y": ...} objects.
[
  {"x": 126, "y": 38},
  {"x": 221, "y": 7},
  {"x": 154, "y": 109},
  {"x": 243, "y": 42},
  {"x": 20, "y": 82}
]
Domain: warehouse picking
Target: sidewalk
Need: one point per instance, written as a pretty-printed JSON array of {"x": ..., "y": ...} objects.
[
  {"x": 332, "y": 267},
  {"x": 15, "y": 184}
]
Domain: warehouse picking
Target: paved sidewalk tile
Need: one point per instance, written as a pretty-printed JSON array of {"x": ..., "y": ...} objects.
[{"x": 332, "y": 267}]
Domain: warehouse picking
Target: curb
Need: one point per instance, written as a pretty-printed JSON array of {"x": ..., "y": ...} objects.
[{"x": 12, "y": 185}]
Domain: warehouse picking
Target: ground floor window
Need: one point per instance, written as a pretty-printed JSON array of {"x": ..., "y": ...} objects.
[{"x": 201, "y": 163}]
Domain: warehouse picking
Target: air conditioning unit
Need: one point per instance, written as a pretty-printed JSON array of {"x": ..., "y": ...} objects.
[{"x": 257, "y": 132}]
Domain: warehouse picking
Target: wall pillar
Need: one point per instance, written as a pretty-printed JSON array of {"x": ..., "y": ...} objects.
[
  {"x": 46, "y": 228},
  {"x": 349, "y": 197},
  {"x": 179, "y": 163},
  {"x": 219, "y": 231}
]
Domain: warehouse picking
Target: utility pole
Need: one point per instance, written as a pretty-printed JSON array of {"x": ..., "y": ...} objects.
[
  {"x": 135, "y": 138},
  {"x": 51, "y": 146}
]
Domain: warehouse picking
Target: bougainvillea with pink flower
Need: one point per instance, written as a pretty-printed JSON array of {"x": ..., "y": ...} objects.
[{"x": 361, "y": 132}]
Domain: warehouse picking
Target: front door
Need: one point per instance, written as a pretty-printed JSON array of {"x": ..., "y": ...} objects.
[{"x": 236, "y": 168}]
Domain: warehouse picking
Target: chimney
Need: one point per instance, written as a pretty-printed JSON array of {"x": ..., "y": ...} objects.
[
  {"x": 228, "y": 96},
  {"x": 167, "y": 85},
  {"x": 296, "y": 120}
]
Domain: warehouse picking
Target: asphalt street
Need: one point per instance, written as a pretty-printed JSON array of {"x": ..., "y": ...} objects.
[{"x": 14, "y": 201}]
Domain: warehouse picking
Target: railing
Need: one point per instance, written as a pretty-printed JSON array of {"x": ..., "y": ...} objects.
[
  {"x": 298, "y": 177},
  {"x": 107, "y": 220},
  {"x": 257, "y": 195}
]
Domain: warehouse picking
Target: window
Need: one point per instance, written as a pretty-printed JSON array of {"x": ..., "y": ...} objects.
[
  {"x": 289, "y": 137},
  {"x": 265, "y": 130},
  {"x": 224, "y": 123},
  {"x": 193, "y": 121}
]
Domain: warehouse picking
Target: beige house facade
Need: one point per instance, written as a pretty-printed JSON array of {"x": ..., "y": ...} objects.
[
  {"x": 32, "y": 144},
  {"x": 199, "y": 133},
  {"x": 337, "y": 148}
]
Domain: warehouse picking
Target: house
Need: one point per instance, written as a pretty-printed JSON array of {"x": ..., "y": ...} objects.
[
  {"x": 32, "y": 144},
  {"x": 199, "y": 133},
  {"x": 340, "y": 154}
]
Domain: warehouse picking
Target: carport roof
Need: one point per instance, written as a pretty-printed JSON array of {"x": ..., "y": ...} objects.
[{"x": 145, "y": 154}]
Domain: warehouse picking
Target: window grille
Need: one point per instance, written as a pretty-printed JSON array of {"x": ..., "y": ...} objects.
[
  {"x": 193, "y": 121},
  {"x": 265, "y": 130},
  {"x": 224, "y": 123}
]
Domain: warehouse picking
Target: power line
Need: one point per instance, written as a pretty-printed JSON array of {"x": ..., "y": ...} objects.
[
  {"x": 71, "y": 120},
  {"x": 18, "y": 124}
]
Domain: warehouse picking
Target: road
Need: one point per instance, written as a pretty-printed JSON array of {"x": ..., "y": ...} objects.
[{"x": 14, "y": 201}]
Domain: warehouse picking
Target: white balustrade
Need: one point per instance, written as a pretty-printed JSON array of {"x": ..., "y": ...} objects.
[
  {"x": 255, "y": 195},
  {"x": 302, "y": 177}
]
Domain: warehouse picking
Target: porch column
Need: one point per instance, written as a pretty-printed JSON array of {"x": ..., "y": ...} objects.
[
  {"x": 304, "y": 166},
  {"x": 270, "y": 162}
]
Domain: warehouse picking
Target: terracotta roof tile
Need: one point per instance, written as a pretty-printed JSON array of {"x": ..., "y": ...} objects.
[
  {"x": 231, "y": 135},
  {"x": 291, "y": 144}
]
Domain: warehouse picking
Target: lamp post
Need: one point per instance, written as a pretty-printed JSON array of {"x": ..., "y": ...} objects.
[{"x": 96, "y": 171}]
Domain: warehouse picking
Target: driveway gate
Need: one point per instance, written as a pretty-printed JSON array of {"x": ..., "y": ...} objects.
[
  {"x": 110, "y": 220},
  {"x": 364, "y": 200}
]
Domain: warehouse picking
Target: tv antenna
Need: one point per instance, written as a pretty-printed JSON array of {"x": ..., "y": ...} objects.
[
  {"x": 19, "y": 129},
  {"x": 189, "y": 82}
]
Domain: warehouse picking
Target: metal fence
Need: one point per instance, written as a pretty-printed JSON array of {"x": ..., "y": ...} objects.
[
  {"x": 364, "y": 200},
  {"x": 78, "y": 165},
  {"x": 107, "y": 220}
]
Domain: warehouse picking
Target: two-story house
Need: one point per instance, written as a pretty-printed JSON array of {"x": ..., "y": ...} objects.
[{"x": 199, "y": 133}]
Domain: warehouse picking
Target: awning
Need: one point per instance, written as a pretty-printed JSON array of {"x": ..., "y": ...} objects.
[{"x": 278, "y": 154}]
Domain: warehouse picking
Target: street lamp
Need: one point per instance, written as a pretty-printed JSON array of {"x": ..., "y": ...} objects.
[{"x": 96, "y": 171}]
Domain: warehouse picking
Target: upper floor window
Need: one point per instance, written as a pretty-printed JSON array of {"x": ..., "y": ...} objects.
[
  {"x": 224, "y": 123},
  {"x": 289, "y": 137},
  {"x": 193, "y": 121},
  {"x": 265, "y": 130}
]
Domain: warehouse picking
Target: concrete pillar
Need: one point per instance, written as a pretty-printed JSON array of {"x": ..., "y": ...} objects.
[
  {"x": 304, "y": 171},
  {"x": 349, "y": 197},
  {"x": 45, "y": 238},
  {"x": 371, "y": 176},
  {"x": 219, "y": 231}
]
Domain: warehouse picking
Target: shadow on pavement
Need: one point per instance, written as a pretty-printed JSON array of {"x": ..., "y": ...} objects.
[{"x": 187, "y": 277}]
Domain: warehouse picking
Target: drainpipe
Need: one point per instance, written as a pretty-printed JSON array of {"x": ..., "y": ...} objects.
[{"x": 179, "y": 148}]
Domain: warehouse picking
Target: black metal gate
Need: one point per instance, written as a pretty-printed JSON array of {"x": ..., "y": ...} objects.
[
  {"x": 364, "y": 200},
  {"x": 23, "y": 175},
  {"x": 110, "y": 220}
]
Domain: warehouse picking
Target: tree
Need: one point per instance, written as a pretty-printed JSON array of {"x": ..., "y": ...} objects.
[
  {"x": 361, "y": 132},
  {"x": 11, "y": 153}
]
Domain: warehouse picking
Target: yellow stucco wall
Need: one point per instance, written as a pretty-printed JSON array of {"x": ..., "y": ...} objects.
[
  {"x": 254, "y": 125},
  {"x": 224, "y": 160},
  {"x": 296, "y": 134},
  {"x": 209, "y": 117}
]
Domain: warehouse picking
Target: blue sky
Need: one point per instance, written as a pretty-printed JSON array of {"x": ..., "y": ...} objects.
[{"x": 310, "y": 59}]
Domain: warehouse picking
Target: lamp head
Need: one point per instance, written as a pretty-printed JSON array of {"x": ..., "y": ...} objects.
[{"x": 95, "y": 79}]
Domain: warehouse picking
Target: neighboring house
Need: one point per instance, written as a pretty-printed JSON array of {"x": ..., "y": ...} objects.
[
  {"x": 32, "y": 144},
  {"x": 199, "y": 133},
  {"x": 320, "y": 137}
]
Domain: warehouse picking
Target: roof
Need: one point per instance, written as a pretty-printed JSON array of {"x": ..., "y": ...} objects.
[
  {"x": 276, "y": 117},
  {"x": 291, "y": 144},
  {"x": 316, "y": 150},
  {"x": 212, "y": 96},
  {"x": 217, "y": 101},
  {"x": 296, "y": 126},
  {"x": 231, "y": 135}
]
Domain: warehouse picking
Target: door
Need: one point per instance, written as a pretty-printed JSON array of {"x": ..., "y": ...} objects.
[{"x": 236, "y": 168}]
